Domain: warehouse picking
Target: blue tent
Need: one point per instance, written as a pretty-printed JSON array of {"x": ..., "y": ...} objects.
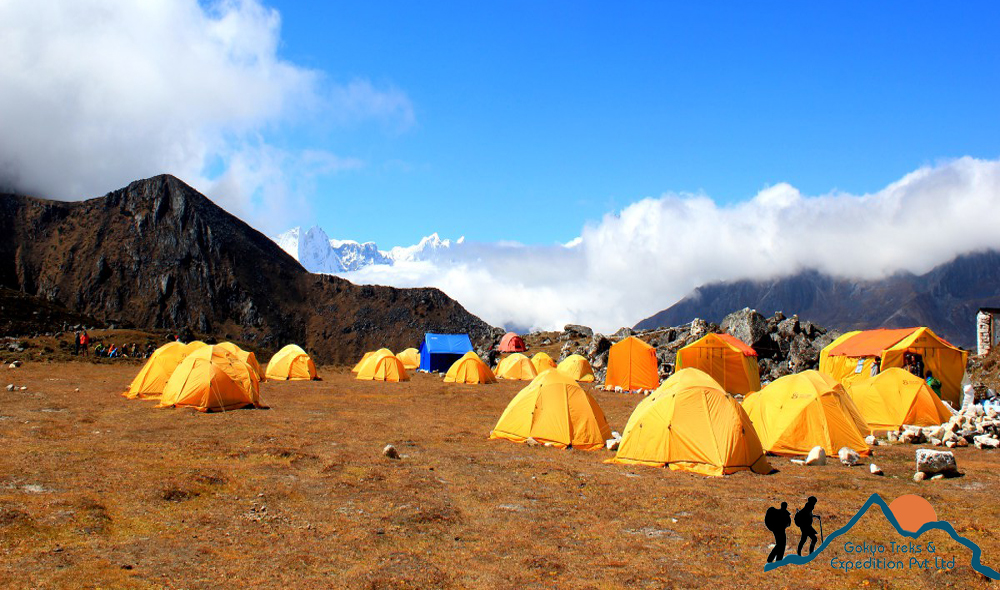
[{"x": 439, "y": 351}]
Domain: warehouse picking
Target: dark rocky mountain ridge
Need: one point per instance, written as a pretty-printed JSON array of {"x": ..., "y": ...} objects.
[
  {"x": 946, "y": 299},
  {"x": 158, "y": 254}
]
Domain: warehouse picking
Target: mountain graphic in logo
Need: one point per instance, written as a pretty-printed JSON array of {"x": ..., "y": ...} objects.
[{"x": 915, "y": 513}]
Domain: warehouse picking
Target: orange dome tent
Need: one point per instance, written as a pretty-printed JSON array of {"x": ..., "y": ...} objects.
[
  {"x": 511, "y": 342},
  {"x": 729, "y": 361},
  {"x": 554, "y": 409},
  {"x": 797, "y": 412},
  {"x": 690, "y": 423},
  {"x": 470, "y": 369},
  {"x": 516, "y": 367},
  {"x": 542, "y": 362},
  {"x": 410, "y": 358},
  {"x": 577, "y": 367},
  {"x": 212, "y": 379},
  {"x": 153, "y": 376},
  {"x": 895, "y": 397},
  {"x": 383, "y": 366},
  {"x": 361, "y": 363},
  {"x": 291, "y": 363},
  {"x": 632, "y": 365},
  {"x": 245, "y": 356}
]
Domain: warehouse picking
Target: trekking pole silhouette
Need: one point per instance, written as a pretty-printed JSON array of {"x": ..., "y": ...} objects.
[{"x": 820, "y": 529}]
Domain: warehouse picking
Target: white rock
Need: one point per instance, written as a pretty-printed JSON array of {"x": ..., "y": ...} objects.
[
  {"x": 531, "y": 442},
  {"x": 616, "y": 434},
  {"x": 938, "y": 476},
  {"x": 848, "y": 456},
  {"x": 24, "y": 388},
  {"x": 871, "y": 441},
  {"x": 985, "y": 441},
  {"x": 875, "y": 470},
  {"x": 77, "y": 390},
  {"x": 12, "y": 366},
  {"x": 390, "y": 452},
  {"x": 797, "y": 461},
  {"x": 612, "y": 444},
  {"x": 10, "y": 387},
  {"x": 618, "y": 389},
  {"x": 817, "y": 456},
  {"x": 892, "y": 436},
  {"x": 919, "y": 476},
  {"x": 936, "y": 442},
  {"x": 933, "y": 461}
]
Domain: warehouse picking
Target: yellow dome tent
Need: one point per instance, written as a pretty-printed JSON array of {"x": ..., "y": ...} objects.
[
  {"x": 577, "y": 367},
  {"x": 245, "y": 356},
  {"x": 797, "y": 412},
  {"x": 542, "y": 362},
  {"x": 850, "y": 357},
  {"x": 383, "y": 366},
  {"x": 632, "y": 365},
  {"x": 361, "y": 363},
  {"x": 410, "y": 358},
  {"x": 729, "y": 361},
  {"x": 516, "y": 367},
  {"x": 894, "y": 397},
  {"x": 291, "y": 363},
  {"x": 153, "y": 376},
  {"x": 212, "y": 379},
  {"x": 469, "y": 369},
  {"x": 690, "y": 423},
  {"x": 554, "y": 409},
  {"x": 195, "y": 345}
]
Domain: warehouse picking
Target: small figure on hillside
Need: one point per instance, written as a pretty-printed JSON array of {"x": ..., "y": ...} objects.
[
  {"x": 76, "y": 343},
  {"x": 934, "y": 383},
  {"x": 804, "y": 519},
  {"x": 85, "y": 343},
  {"x": 876, "y": 366},
  {"x": 149, "y": 350},
  {"x": 777, "y": 520}
]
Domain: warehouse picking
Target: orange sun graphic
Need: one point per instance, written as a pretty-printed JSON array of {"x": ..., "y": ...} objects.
[{"x": 912, "y": 511}]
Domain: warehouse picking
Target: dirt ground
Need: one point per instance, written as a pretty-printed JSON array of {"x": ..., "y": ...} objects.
[{"x": 99, "y": 491}]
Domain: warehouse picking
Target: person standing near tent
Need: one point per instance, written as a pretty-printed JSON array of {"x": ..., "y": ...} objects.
[
  {"x": 76, "y": 343},
  {"x": 876, "y": 366},
  {"x": 85, "y": 343},
  {"x": 777, "y": 520},
  {"x": 804, "y": 519},
  {"x": 934, "y": 383}
]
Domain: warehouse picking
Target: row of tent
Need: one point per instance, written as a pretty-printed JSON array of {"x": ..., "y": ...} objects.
[
  {"x": 218, "y": 377},
  {"x": 632, "y": 364},
  {"x": 691, "y": 423}
]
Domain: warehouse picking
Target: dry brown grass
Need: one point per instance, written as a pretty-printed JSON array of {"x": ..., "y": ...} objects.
[{"x": 98, "y": 491}]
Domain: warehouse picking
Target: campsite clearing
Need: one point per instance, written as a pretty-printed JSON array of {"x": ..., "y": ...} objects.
[{"x": 97, "y": 490}]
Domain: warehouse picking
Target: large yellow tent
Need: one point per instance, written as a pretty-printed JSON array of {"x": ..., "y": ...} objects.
[
  {"x": 729, "y": 361},
  {"x": 577, "y": 367},
  {"x": 212, "y": 379},
  {"x": 542, "y": 362},
  {"x": 153, "y": 376},
  {"x": 516, "y": 367},
  {"x": 195, "y": 345},
  {"x": 410, "y": 358},
  {"x": 797, "y": 412},
  {"x": 361, "y": 363},
  {"x": 291, "y": 363},
  {"x": 850, "y": 357},
  {"x": 383, "y": 366},
  {"x": 554, "y": 409},
  {"x": 690, "y": 423},
  {"x": 470, "y": 369},
  {"x": 245, "y": 356},
  {"x": 632, "y": 365},
  {"x": 895, "y": 397}
]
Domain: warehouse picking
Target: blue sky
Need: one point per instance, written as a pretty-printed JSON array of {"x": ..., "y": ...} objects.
[{"x": 532, "y": 118}]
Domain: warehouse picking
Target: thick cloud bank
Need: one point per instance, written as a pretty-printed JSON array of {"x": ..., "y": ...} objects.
[
  {"x": 642, "y": 259},
  {"x": 97, "y": 93}
]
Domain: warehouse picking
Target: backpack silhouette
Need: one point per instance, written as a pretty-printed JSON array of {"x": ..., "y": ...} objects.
[{"x": 803, "y": 519}]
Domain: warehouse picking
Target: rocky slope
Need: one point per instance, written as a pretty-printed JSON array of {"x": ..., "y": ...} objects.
[
  {"x": 945, "y": 299},
  {"x": 158, "y": 254}
]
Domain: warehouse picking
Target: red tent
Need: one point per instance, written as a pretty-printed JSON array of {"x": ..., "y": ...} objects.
[{"x": 511, "y": 342}]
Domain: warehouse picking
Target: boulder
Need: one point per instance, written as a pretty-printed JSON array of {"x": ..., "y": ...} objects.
[
  {"x": 598, "y": 345},
  {"x": 623, "y": 333},
  {"x": 933, "y": 461},
  {"x": 745, "y": 325},
  {"x": 390, "y": 452},
  {"x": 817, "y": 456},
  {"x": 871, "y": 441},
  {"x": 698, "y": 329},
  {"x": 985, "y": 441},
  {"x": 919, "y": 476},
  {"x": 787, "y": 329},
  {"x": 848, "y": 456},
  {"x": 578, "y": 331}
]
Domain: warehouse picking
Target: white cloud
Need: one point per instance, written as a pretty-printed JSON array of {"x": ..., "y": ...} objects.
[
  {"x": 642, "y": 259},
  {"x": 97, "y": 93}
]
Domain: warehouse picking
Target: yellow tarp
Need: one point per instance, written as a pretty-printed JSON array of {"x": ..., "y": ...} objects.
[
  {"x": 578, "y": 368},
  {"x": 153, "y": 376},
  {"x": 516, "y": 367},
  {"x": 894, "y": 398},
  {"x": 554, "y": 409},
  {"x": 212, "y": 379},
  {"x": 291, "y": 363},
  {"x": 797, "y": 412},
  {"x": 944, "y": 360},
  {"x": 245, "y": 356},
  {"x": 383, "y": 366},
  {"x": 410, "y": 358},
  {"x": 542, "y": 362},
  {"x": 690, "y": 423},
  {"x": 632, "y": 365},
  {"x": 469, "y": 369},
  {"x": 733, "y": 366}
]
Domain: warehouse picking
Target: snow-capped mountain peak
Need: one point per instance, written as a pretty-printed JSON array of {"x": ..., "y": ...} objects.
[{"x": 318, "y": 253}]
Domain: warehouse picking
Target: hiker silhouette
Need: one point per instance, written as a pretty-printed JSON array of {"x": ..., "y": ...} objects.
[
  {"x": 804, "y": 520},
  {"x": 777, "y": 520}
]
